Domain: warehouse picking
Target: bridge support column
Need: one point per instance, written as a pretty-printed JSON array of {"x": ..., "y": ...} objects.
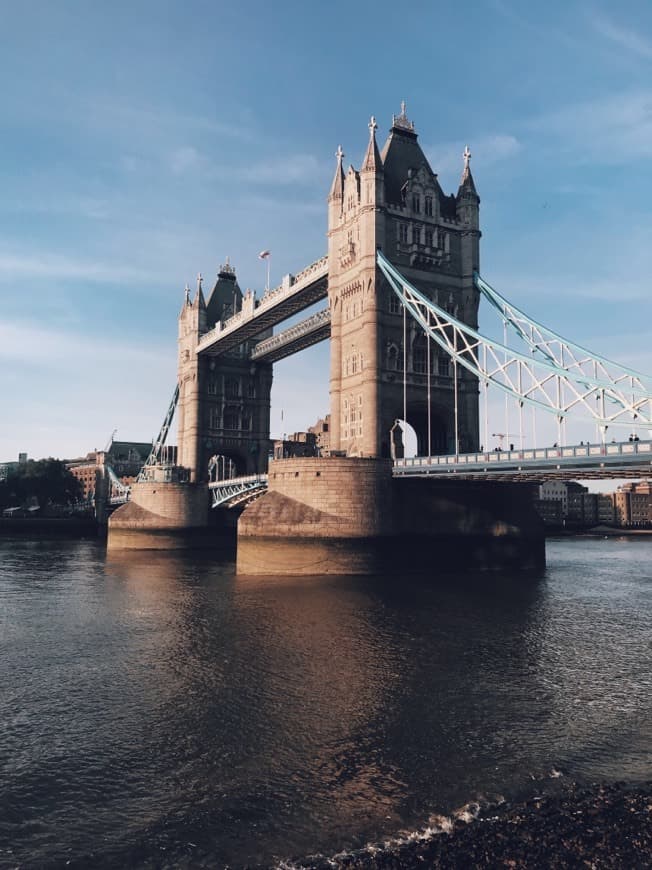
[
  {"x": 160, "y": 515},
  {"x": 342, "y": 515}
]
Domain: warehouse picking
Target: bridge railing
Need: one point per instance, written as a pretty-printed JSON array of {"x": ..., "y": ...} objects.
[{"x": 591, "y": 453}]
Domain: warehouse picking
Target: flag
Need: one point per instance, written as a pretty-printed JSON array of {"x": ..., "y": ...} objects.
[{"x": 264, "y": 255}]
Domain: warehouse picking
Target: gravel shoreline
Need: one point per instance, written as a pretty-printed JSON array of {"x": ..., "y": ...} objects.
[{"x": 603, "y": 826}]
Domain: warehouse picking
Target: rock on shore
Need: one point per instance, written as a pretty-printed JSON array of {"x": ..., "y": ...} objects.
[{"x": 608, "y": 826}]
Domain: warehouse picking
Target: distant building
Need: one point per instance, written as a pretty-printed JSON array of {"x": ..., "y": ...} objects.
[
  {"x": 582, "y": 507},
  {"x": 633, "y": 504},
  {"x": 560, "y": 502},
  {"x": 559, "y": 490},
  {"x": 630, "y": 506},
  {"x": 606, "y": 509},
  {"x": 549, "y": 509},
  {"x": 125, "y": 457},
  {"x": 128, "y": 457},
  {"x": 6, "y": 468},
  {"x": 298, "y": 444},
  {"x": 85, "y": 470},
  {"x": 321, "y": 430}
]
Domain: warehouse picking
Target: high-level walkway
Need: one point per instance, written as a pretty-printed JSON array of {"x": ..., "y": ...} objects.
[{"x": 295, "y": 294}]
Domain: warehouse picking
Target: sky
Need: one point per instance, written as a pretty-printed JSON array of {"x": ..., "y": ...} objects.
[{"x": 144, "y": 142}]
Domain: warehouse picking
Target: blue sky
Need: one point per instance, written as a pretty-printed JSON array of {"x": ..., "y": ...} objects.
[{"x": 143, "y": 142}]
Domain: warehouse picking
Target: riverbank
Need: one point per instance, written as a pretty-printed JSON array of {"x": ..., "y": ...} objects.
[
  {"x": 66, "y": 527},
  {"x": 607, "y": 826},
  {"x": 597, "y": 532}
]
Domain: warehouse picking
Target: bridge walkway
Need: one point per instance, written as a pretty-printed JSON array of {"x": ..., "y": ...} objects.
[{"x": 257, "y": 315}]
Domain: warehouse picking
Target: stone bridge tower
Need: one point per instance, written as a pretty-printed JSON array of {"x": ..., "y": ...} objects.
[
  {"x": 395, "y": 204},
  {"x": 224, "y": 400}
]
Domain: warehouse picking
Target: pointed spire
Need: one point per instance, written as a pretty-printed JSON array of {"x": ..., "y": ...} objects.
[
  {"x": 337, "y": 187},
  {"x": 467, "y": 185},
  {"x": 186, "y": 290},
  {"x": 372, "y": 161}
]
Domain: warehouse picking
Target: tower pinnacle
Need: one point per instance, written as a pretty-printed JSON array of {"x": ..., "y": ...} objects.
[
  {"x": 372, "y": 161},
  {"x": 467, "y": 157},
  {"x": 402, "y": 122},
  {"x": 337, "y": 187},
  {"x": 467, "y": 183}
]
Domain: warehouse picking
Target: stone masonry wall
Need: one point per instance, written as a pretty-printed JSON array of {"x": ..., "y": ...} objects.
[
  {"x": 163, "y": 505},
  {"x": 323, "y": 497}
]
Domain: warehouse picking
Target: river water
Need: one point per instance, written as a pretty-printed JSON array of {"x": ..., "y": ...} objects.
[{"x": 158, "y": 711}]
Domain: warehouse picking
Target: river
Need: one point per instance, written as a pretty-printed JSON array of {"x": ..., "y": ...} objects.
[{"x": 159, "y": 711}]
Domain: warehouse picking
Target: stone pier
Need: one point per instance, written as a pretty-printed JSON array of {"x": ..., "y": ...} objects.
[
  {"x": 160, "y": 515},
  {"x": 342, "y": 515}
]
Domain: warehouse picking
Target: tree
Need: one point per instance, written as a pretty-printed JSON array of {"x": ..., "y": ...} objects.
[{"x": 46, "y": 480}]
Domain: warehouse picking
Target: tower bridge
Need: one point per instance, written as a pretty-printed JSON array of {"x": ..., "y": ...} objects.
[{"x": 402, "y": 281}]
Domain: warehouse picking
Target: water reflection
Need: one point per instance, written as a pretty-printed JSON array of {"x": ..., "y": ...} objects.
[{"x": 159, "y": 711}]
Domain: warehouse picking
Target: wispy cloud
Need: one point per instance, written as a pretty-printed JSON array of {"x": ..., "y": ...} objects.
[
  {"x": 65, "y": 348},
  {"x": 487, "y": 150},
  {"x": 280, "y": 171},
  {"x": 187, "y": 159},
  {"x": 283, "y": 170},
  {"x": 68, "y": 390},
  {"x": 14, "y": 266},
  {"x": 632, "y": 41},
  {"x": 124, "y": 116},
  {"x": 57, "y": 202},
  {"x": 612, "y": 130}
]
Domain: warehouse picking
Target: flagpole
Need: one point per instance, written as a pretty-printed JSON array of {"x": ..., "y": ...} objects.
[{"x": 268, "y": 258}]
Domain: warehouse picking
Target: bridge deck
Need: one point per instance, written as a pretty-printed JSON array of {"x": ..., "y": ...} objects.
[
  {"x": 258, "y": 315},
  {"x": 625, "y": 459}
]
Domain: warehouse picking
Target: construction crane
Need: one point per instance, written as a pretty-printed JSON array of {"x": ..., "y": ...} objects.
[{"x": 110, "y": 441}]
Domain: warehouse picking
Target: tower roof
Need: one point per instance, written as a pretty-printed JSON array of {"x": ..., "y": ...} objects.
[
  {"x": 225, "y": 299},
  {"x": 401, "y": 153}
]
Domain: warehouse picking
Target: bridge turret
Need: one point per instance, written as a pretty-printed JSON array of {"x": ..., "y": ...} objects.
[
  {"x": 467, "y": 200},
  {"x": 336, "y": 193},
  {"x": 192, "y": 324},
  {"x": 396, "y": 204},
  {"x": 372, "y": 173},
  {"x": 468, "y": 213}
]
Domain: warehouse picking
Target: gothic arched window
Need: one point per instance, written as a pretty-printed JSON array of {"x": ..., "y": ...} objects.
[
  {"x": 231, "y": 418},
  {"x": 420, "y": 355},
  {"x": 231, "y": 388}
]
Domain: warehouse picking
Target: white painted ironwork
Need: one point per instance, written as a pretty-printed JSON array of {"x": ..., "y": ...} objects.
[
  {"x": 118, "y": 491},
  {"x": 157, "y": 446},
  {"x": 552, "y": 375},
  {"x": 228, "y": 493}
]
